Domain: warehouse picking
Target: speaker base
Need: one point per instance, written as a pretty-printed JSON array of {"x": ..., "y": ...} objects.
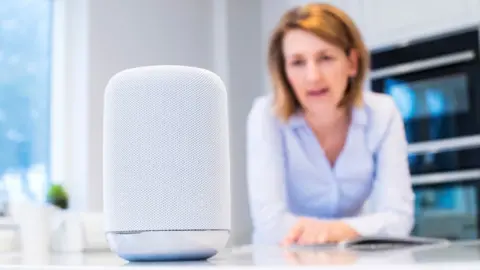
[{"x": 150, "y": 246}]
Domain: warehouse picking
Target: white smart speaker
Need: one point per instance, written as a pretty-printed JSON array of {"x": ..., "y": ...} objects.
[{"x": 166, "y": 164}]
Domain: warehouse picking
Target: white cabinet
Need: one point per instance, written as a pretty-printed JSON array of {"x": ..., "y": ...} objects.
[
  {"x": 383, "y": 22},
  {"x": 386, "y": 22}
]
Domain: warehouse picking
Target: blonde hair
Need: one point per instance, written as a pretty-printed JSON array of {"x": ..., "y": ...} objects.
[{"x": 330, "y": 24}]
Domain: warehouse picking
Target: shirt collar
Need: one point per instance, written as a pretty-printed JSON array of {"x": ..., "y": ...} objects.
[
  {"x": 359, "y": 116},
  {"x": 296, "y": 120}
]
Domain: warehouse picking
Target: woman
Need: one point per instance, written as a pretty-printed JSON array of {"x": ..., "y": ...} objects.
[{"x": 320, "y": 146}]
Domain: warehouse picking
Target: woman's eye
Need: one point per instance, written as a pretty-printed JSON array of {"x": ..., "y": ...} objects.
[
  {"x": 325, "y": 58},
  {"x": 297, "y": 62}
]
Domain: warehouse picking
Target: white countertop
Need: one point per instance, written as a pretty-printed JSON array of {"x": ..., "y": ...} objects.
[{"x": 460, "y": 255}]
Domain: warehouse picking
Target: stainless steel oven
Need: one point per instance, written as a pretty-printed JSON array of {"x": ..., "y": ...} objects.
[
  {"x": 448, "y": 209},
  {"x": 435, "y": 83}
]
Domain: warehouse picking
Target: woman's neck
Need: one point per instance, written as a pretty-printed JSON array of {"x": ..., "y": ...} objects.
[{"x": 325, "y": 124}]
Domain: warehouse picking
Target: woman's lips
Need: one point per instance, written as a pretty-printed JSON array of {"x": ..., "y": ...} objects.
[{"x": 317, "y": 92}]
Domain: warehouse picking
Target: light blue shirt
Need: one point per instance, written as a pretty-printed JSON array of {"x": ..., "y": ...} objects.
[{"x": 289, "y": 176}]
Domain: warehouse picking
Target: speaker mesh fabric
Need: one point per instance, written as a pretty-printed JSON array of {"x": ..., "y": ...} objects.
[{"x": 166, "y": 151}]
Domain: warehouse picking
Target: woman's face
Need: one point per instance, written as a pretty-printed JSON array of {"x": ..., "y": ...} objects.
[{"x": 317, "y": 71}]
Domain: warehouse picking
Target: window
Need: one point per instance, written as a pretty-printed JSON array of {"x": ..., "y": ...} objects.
[{"x": 25, "y": 94}]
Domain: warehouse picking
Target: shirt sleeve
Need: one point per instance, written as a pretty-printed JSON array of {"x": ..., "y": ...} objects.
[
  {"x": 392, "y": 195},
  {"x": 265, "y": 177}
]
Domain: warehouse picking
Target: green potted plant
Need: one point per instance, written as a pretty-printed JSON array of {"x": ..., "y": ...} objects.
[{"x": 58, "y": 196}]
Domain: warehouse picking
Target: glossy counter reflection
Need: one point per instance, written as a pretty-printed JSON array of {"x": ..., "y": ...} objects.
[
  {"x": 267, "y": 255},
  {"x": 315, "y": 257},
  {"x": 465, "y": 253}
]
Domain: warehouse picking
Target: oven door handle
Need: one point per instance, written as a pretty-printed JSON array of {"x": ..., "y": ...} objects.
[
  {"x": 430, "y": 63},
  {"x": 446, "y": 177},
  {"x": 435, "y": 146}
]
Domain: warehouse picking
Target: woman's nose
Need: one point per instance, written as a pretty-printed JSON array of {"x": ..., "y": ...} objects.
[{"x": 313, "y": 72}]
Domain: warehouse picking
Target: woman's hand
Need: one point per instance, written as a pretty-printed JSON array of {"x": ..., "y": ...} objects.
[{"x": 310, "y": 231}]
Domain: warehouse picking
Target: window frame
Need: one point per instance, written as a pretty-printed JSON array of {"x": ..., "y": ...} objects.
[{"x": 58, "y": 95}]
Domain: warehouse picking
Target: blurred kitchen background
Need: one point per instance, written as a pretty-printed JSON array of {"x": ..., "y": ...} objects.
[{"x": 56, "y": 57}]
